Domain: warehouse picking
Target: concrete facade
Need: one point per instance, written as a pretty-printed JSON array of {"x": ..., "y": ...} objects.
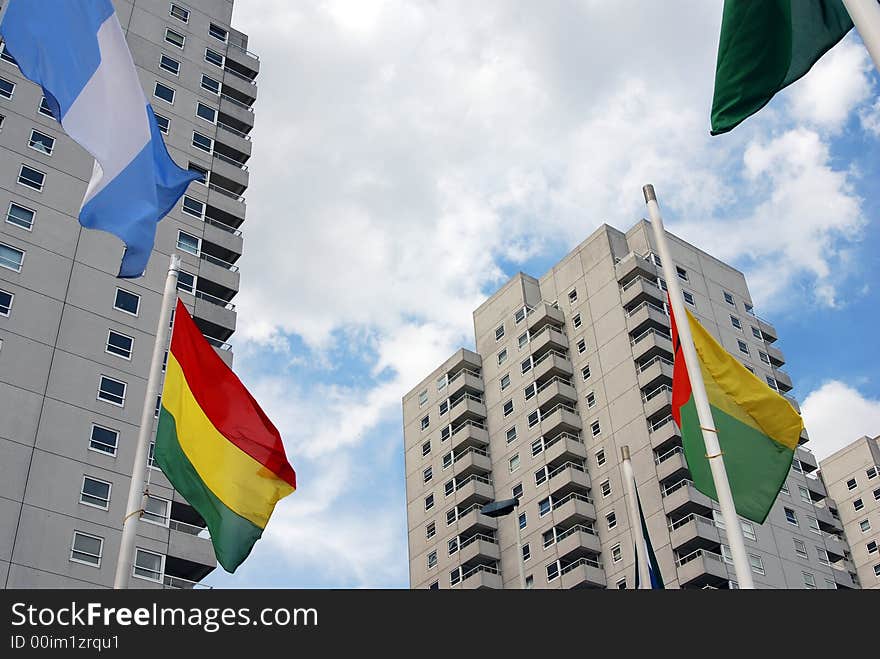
[
  {"x": 852, "y": 478},
  {"x": 567, "y": 369},
  {"x": 59, "y": 307}
]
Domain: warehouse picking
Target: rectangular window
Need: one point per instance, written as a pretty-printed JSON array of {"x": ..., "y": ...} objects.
[
  {"x": 611, "y": 520},
  {"x": 505, "y": 381},
  {"x": 179, "y": 13},
  {"x": 865, "y": 526},
  {"x": 606, "y": 488},
  {"x": 729, "y": 298},
  {"x": 576, "y": 320},
  {"x": 519, "y": 316},
  {"x": 430, "y": 530},
  {"x": 513, "y": 463},
  {"x": 11, "y": 258},
  {"x": 591, "y": 399},
  {"x": 427, "y": 474},
  {"x": 119, "y": 344},
  {"x": 449, "y": 487},
  {"x": 526, "y": 365},
  {"x": 616, "y": 554},
  {"x": 749, "y": 308},
  {"x": 174, "y": 38},
  {"x": 209, "y": 84},
  {"x": 502, "y": 356},
  {"x": 813, "y": 524},
  {"x": 523, "y": 520},
  {"x": 41, "y": 142},
  {"x": 426, "y": 448},
  {"x": 530, "y": 390},
  {"x": 127, "y": 302},
  {"x": 31, "y": 178},
  {"x": 218, "y": 32},
  {"x": 445, "y": 432},
  {"x": 871, "y": 473},
  {"x": 523, "y": 339},
  {"x": 86, "y": 549},
  {"x": 743, "y": 347},
  {"x": 764, "y": 357},
  {"x": 526, "y": 552},
  {"x": 103, "y": 440},
  {"x": 164, "y": 123},
  {"x": 771, "y": 383},
  {"x": 581, "y": 346},
  {"x": 112, "y": 391},
  {"x": 432, "y": 559},
  {"x": 595, "y": 428},
  {"x": 188, "y": 243},
  {"x": 791, "y": 516},
  {"x": 858, "y": 504},
  {"x": 206, "y": 112},
  {"x": 851, "y": 484},
  {"x": 572, "y": 296},
  {"x": 7, "y": 89},
  {"x": 600, "y": 457},
  {"x": 20, "y": 216},
  {"x": 148, "y": 565},
  {"x": 213, "y": 57},
  {"x": 757, "y": 333},
  {"x": 689, "y": 298},
  {"x": 540, "y": 475},
  {"x": 499, "y": 332},
  {"x": 736, "y": 323},
  {"x": 756, "y": 563},
  {"x": 5, "y": 302},
  {"x": 193, "y": 207},
  {"x": 552, "y": 571},
  {"x": 164, "y": 92},
  {"x": 168, "y": 64},
  {"x": 585, "y": 372},
  {"x": 681, "y": 272},
  {"x": 517, "y": 491},
  {"x": 534, "y": 418},
  {"x": 800, "y": 548},
  {"x": 95, "y": 493},
  {"x": 871, "y": 547},
  {"x": 186, "y": 282},
  {"x": 823, "y": 556},
  {"x": 508, "y": 408},
  {"x": 4, "y": 54},
  {"x": 44, "y": 108},
  {"x": 809, "y": 580},
  {"x": 429, "y": 502},
  {"x": 511, "y": 435},
  {"x": 426, "y": 421},
  {"x": 544, "y": 506},
  {"x": 157, "y": 511}
]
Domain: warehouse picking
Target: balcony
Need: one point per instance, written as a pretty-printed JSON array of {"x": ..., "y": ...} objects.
[
  {"x": 469, "y": 433},
  {"x": 226, "y": 238},
  {"x": 238, "y": 111},
  {"x": 564, "y": 448},
  {"x": 547, "y": 338},
  {"x": 466, "y": 407},
  {"x": 654, "y": 372},
  {"x": 233, "y": 143},
  {"x": 481, "y": 577},
  {"x": 634, "y": 265},
  {"x": 644, "y": 316},
  {"x": 807, "y": 459},
  {"x": 682, "y": 498},
  {"x": 783, "y": 381},
  {"x": 567, "y": 478},
  {"x": 472, "y": 460},
  {"x": 639, "y": 290},
  {"x": 767, "y": 330},
  {"x": 560, "y": 418},
  {"x": 658, "y": 402},
  {"x": 843, "y": 579},
  {"x": 816, "y": 488},
  {"x": 573, "y": 508},
  {"x": 556, "y": 390},
  {"x": 225, "y": 207},
  {"x": 464, "y": 380},
  {"x": 471, "y": 520},
  {"x": 672, "y": 465},
  {"x": 827, "y": 522},
  {"x": 777, "y": 359},
  {"x": 184, "y": 543},
  {"x": 474, "y": 489},
  {"x": 664, "y": 434},
  {"x": 583, "y": 573},
  {"x": 229, "y": 175},
  {"x": 241, "y": 59},
  {"x": 701, "y": 568},
  {"x": 479, "y": 548},
  {"x": 464, "y": 359},
  {"x": 181, "y": 573},
  {"x": 542, "y": 315},
  {"x": 240, "y": 87},
  {"x": 221, "y": 273},
  {"x": 693, "y": 532},
  {"x": 651, "y": 343},
  {"x": 578, "y": 541},
  {"x": 215, "y": 311},
  {"x": 552, "y": 364}
]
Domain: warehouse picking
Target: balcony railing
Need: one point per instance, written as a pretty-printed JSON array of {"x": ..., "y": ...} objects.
[
  {"x": 666, "y": 490},
  {"x": 654, "y": 426},
  {"x": 471, "y": 449},
  {"x": 542, "y": 444},
  {"x": 214, "y": 300},
  {"x": 217, "y": 343},
  {"x": 469, "y": 422},
  {"x": 684, "y": 560},
  {"x": 473, "y": 477},
  {"x": 235, "y": 101},
  {"x": 574, "y": 529},
  {"x": 225, "y": 192},
  {"x": 546, "y": 328},
  {"x": 190, "y": 529},
  {"x": 179, "y": 583},
  {"x": 675, "y": 450},
  {"x": 687, "y": 518},
  {"x": 646, "y": 303},
  {"x": 244, "y": 50},
  {"x": 652, "y": 330},
  {"x": 591, "y": 562},
  {"x": 479, "y": 568},
  {"x": 240, "y": 76},
  {"x": 632, "y": 282},
  {"x": 234, "y": 131},
  {"x": 232, "y": 161},
  {"x": 219, "y": 262},
  {"x": 555, "y": 378},
  {"x": 659, "y": 358},
  {"x": 570, "y": 497},
  {"x": 567, "y": 408},
  {"x": 565, "y": 465},
  {"x": 461, "y": 373},
  {"x": 659, "y": 391},
  {"x": 222, "y": 225},
  {"x": 476, "y": 506},
  {"x": 468, "y": 396},
  {"x": 547, "y": 354},
  {"x": 474, "y": 538}
]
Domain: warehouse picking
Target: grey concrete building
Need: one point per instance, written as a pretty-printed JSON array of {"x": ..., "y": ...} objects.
[
  {"x": 75, "y": 341},
  {"x": 567, "y": 369},
  {"x": 852, "y": 478}
]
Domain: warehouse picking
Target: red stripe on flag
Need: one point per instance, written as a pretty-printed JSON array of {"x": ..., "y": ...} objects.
[{"x": 681, "y": 383}]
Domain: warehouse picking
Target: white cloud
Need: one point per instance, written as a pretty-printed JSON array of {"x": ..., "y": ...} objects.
[
  {"x": 870, "y": 118},
  {"x": 837, "y": 414},
  {"x": 837, "y": 84}
]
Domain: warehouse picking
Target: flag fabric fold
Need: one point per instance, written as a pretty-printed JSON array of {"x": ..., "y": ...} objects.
[
  {"x": 653, "y": 566},
  {"x": 76, "y": 51},
  {"x": 764, "y": 47},
  {"x": 217, "y": 447},
  {"x": 758, "y": 430}
]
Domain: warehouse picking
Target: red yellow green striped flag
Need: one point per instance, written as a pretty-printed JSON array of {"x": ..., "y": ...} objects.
[
  {"x": 217, "y": 447},
  {"x": 758, "y": 429}
]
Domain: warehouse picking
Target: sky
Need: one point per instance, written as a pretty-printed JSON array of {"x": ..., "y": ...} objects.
[{"x": 409, "y": 157}]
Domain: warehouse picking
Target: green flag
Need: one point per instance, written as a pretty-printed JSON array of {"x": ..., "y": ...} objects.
[{"x": 765, "y": 46}]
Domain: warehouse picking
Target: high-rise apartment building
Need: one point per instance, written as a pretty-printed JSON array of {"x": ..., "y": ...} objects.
[
  {"x": 75, "y": 341},
  {"x": 852, "y": 476},
  {"x": 567, "y": 369}
]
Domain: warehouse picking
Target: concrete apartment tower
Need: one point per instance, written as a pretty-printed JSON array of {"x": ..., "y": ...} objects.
[
  {"x": 75, "y": 341},
  {"x": 852, "y": 477},
  {"x": 568, "y": 368}
]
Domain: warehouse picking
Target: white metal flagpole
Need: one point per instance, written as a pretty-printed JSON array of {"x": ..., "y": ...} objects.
[
  {"x": 865, "y": 15},
  {"x": 635, "y": 519},
  {"x": 136, "y": 491},
  {"x": 704, "y": 412}
]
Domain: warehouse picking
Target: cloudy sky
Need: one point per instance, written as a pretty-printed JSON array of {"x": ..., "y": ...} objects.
[{"x": 410, "y": 156}]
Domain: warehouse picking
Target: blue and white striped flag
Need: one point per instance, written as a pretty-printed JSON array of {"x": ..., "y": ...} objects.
[{"x": 76, "y": 51}]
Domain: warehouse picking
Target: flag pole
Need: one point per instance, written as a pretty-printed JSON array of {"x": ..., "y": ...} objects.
[
  {"x": 635, "y": 520},
  {"x": 704, "y": 412},
  {"x": 865, "y": 15},
  {"x": 136, "y": 492}
]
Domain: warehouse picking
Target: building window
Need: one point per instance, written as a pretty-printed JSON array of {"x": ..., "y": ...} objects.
[
  {"x": 805, "y": 494},
  {"x": 447, "y": 460},
  {"x": 148, "y": 565},
  {"x": 11, "y": 258},
  {"x": 743, "y": 347},
  {"x": 430, "y": 530},
  {"x": 606, "y": 488},
  {"x": 168, "y": 64},
  {"x": 800, "y": 548},
  {"x": 31, "y": 178},
  {"x": 86, "y": 549},
  {"x": 103, "y": 440},
  {"x": 611, "y": 520},
  {"x": 851, "y": 484},
  {"x": 526, "y": 552},
  {"x": 858, "y": 504},
  {"x": 511, "y": 434},
  {"x": 5, "y": 303},
  {"x": 423, "y": 397},
  {"x": 790, "y": 516},
  {"x": 757, "y": 333},
  {"x": 600, "y": 457},
  {"x": 729, "y": 298},
  {"x": 523, "y": 339},
  {"x": 41, "y": 142},
  {"x": 44, "y": 109},
  {"x": 426, "y": 421},
  {"x": 616, "y": 553},
  {"x": 452, "y": 546},
  {"x": 784, "y": 489},
  {"x": 206, "y": 112},
  {"x": 202, "y": 142},
  {"x": 218, "y": 32},
  {"x": 809, "y": 580},
  {"x": 585, "y": 372},
  {"x": 441, "y": 382},
  {"x": 20, "y": 216},
  {"x": 186, "y": 282},
  {"x": 502, "y": 356},
  {"x": 877, "y": 494},
  {"x": 157, "y": 511},
  {"x": 429, "y": 502},
  {"x": 581, "y": 346},
  {"x": 432, "y": 559},
  {"x": 530, "y": 390},
  {"x": 544, "y": 507},
  {"x": 513, "y": 463},
  {"x": 771, "y": 383},
  {"x": 526, "y": 365},
  {"x": 4, "y": 54},
  {"x": 505, "y": 381},
  {"x": 736, "y": 323},
  {"x": 576, "y": 320},
  {"x": 621, "y": 585},
  {"x": 756, "y": 563},
  {"x": 426, "y": 448},
  {"x": 7, "y": 89},
  {"x": 164, "y": 92},
  {"x": 796, "y": 465},
  {"x": 188, "y": 243},
  {"x": 813, "y": 524},
  {"x": 552, "y": 571},
  {"x": 872, "y": 547},
  {"x": 764, "y": 357},
  {"x": 164, "y": 123},
  {"x": 444, "y": 407},
  {"x": 865, "y": 526},
  {"x": 572, "y": 296},
  {"x": 499, "y": 332},
  {"x": 95, "y": 493},
  {"x": 522, "y": 520},
  {"x": 179, "y": 13},
  {"x": 427, "y": 474},
  {"x": 595, "y": 429},
  {"x": 534, "y": 418},
  {"x": 508, "y": 408},
  {"x": 871, "y": 473},
  {"x": 591, "y": 399},
  {"x": 193, "y": 207},
  {"x": 213, "y": 57},
  {"x": 119, "y": 344},
  {"x": 689, "y": 298},
  {"x": 823, "y": 555},
  {"x": 175, "y": 38},
  {"x": 209, "y": 84},
  {"x": 517, "y": 491},
  {"x": 877, "y": 570}
]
